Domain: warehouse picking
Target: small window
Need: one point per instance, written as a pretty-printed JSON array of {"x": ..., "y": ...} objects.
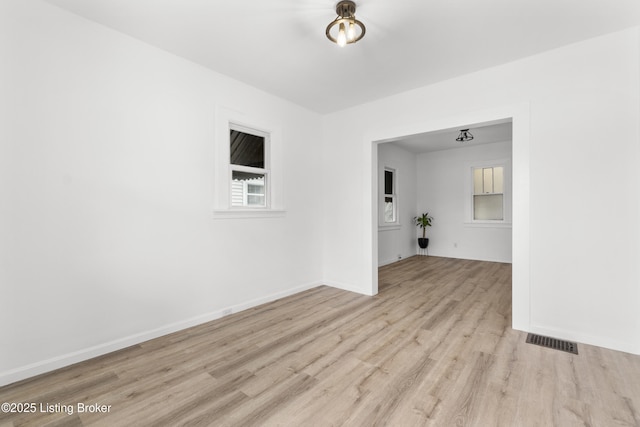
[
  {"x": 248, "y": 166},
  {"x": 390, "y": 203},
  {"x": 249, "y": 172},
  {"x": 488, "y": 193}
]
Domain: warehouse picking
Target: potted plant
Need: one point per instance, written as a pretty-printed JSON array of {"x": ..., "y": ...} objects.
[{"x": 423, "y": 222}]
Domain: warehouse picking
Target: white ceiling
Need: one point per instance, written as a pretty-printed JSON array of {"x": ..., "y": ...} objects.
[
  {"x": 279, "y": 46},
  {"x": 445, "y": 139}
]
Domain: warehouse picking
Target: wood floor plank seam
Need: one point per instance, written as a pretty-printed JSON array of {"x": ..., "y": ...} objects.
[{"x": 434, "y": 348}]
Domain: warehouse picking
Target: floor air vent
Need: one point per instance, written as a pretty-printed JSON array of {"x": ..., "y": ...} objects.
[{"x": 554, "y": 343}]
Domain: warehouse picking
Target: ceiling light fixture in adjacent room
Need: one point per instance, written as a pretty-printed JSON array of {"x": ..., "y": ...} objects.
[
  {"x": 464, "y": 136},
  {"x": 349, "y": 29}
]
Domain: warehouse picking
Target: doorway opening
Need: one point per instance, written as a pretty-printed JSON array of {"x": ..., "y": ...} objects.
[
  {"x": 518, "y": 117},
  {"x": 465, "y": 186}
]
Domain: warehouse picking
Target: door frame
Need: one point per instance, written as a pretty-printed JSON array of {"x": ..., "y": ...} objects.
[{"x": 521, "y": 269}]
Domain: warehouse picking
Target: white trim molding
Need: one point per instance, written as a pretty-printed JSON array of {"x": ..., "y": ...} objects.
[
  {"x": 61, "y": 361},
  {"x": 520, "y": 117},
  {"x": 226, "y": 119}
]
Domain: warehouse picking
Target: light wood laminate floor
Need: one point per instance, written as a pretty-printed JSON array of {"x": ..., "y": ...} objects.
[{"x": 433, "y": 348}]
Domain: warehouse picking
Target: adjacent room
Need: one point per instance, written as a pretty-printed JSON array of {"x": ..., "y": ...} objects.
[
  {"x": 209, "y": 213},
  {"x": 441, "y": 174}
]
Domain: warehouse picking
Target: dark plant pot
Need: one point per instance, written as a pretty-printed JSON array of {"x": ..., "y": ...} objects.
[{"x": 423, "y": 242}]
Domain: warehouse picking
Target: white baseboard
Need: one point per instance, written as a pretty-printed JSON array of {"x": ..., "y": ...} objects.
[
  {"x": 456, "y": 256},
  {"x": 58, "y": 362},
  {"x": 387, "y": 262},
  {"x": 262, "y": 300},
  {"x": 346, "y": 287}
]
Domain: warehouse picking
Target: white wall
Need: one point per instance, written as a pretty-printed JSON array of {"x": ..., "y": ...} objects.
[
  {"x": 576, "y": 260},
  {"x": 107, "y": 235},
  {"x": 106, "y": 161},
  {"x": 398, "y": 241},
  {"x": 444, "y": 192}
]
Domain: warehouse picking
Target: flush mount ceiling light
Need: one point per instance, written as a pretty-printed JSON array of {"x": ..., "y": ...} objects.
[
  {"x": 349, "y": 29},
  {"x": 464, "y": 136}
]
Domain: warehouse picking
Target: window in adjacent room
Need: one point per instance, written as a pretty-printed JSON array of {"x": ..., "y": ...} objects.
[
  {"x": 488, "y": 193},
  {"x": 390, "y": 198},
  {"x": 249, "y": 152}
]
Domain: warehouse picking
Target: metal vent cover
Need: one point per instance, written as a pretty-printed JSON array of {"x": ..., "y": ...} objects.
[{"x": 553, "y": 343}]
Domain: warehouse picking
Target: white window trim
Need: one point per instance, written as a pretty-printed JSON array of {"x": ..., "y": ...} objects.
[
  {"x": 266, "y": 171},
  {"x": 507, "y": 196},
  {"x": 382, "y": 225},
  {"x": 389, "y": 227},
  {"x": 225, "y": 120}
]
